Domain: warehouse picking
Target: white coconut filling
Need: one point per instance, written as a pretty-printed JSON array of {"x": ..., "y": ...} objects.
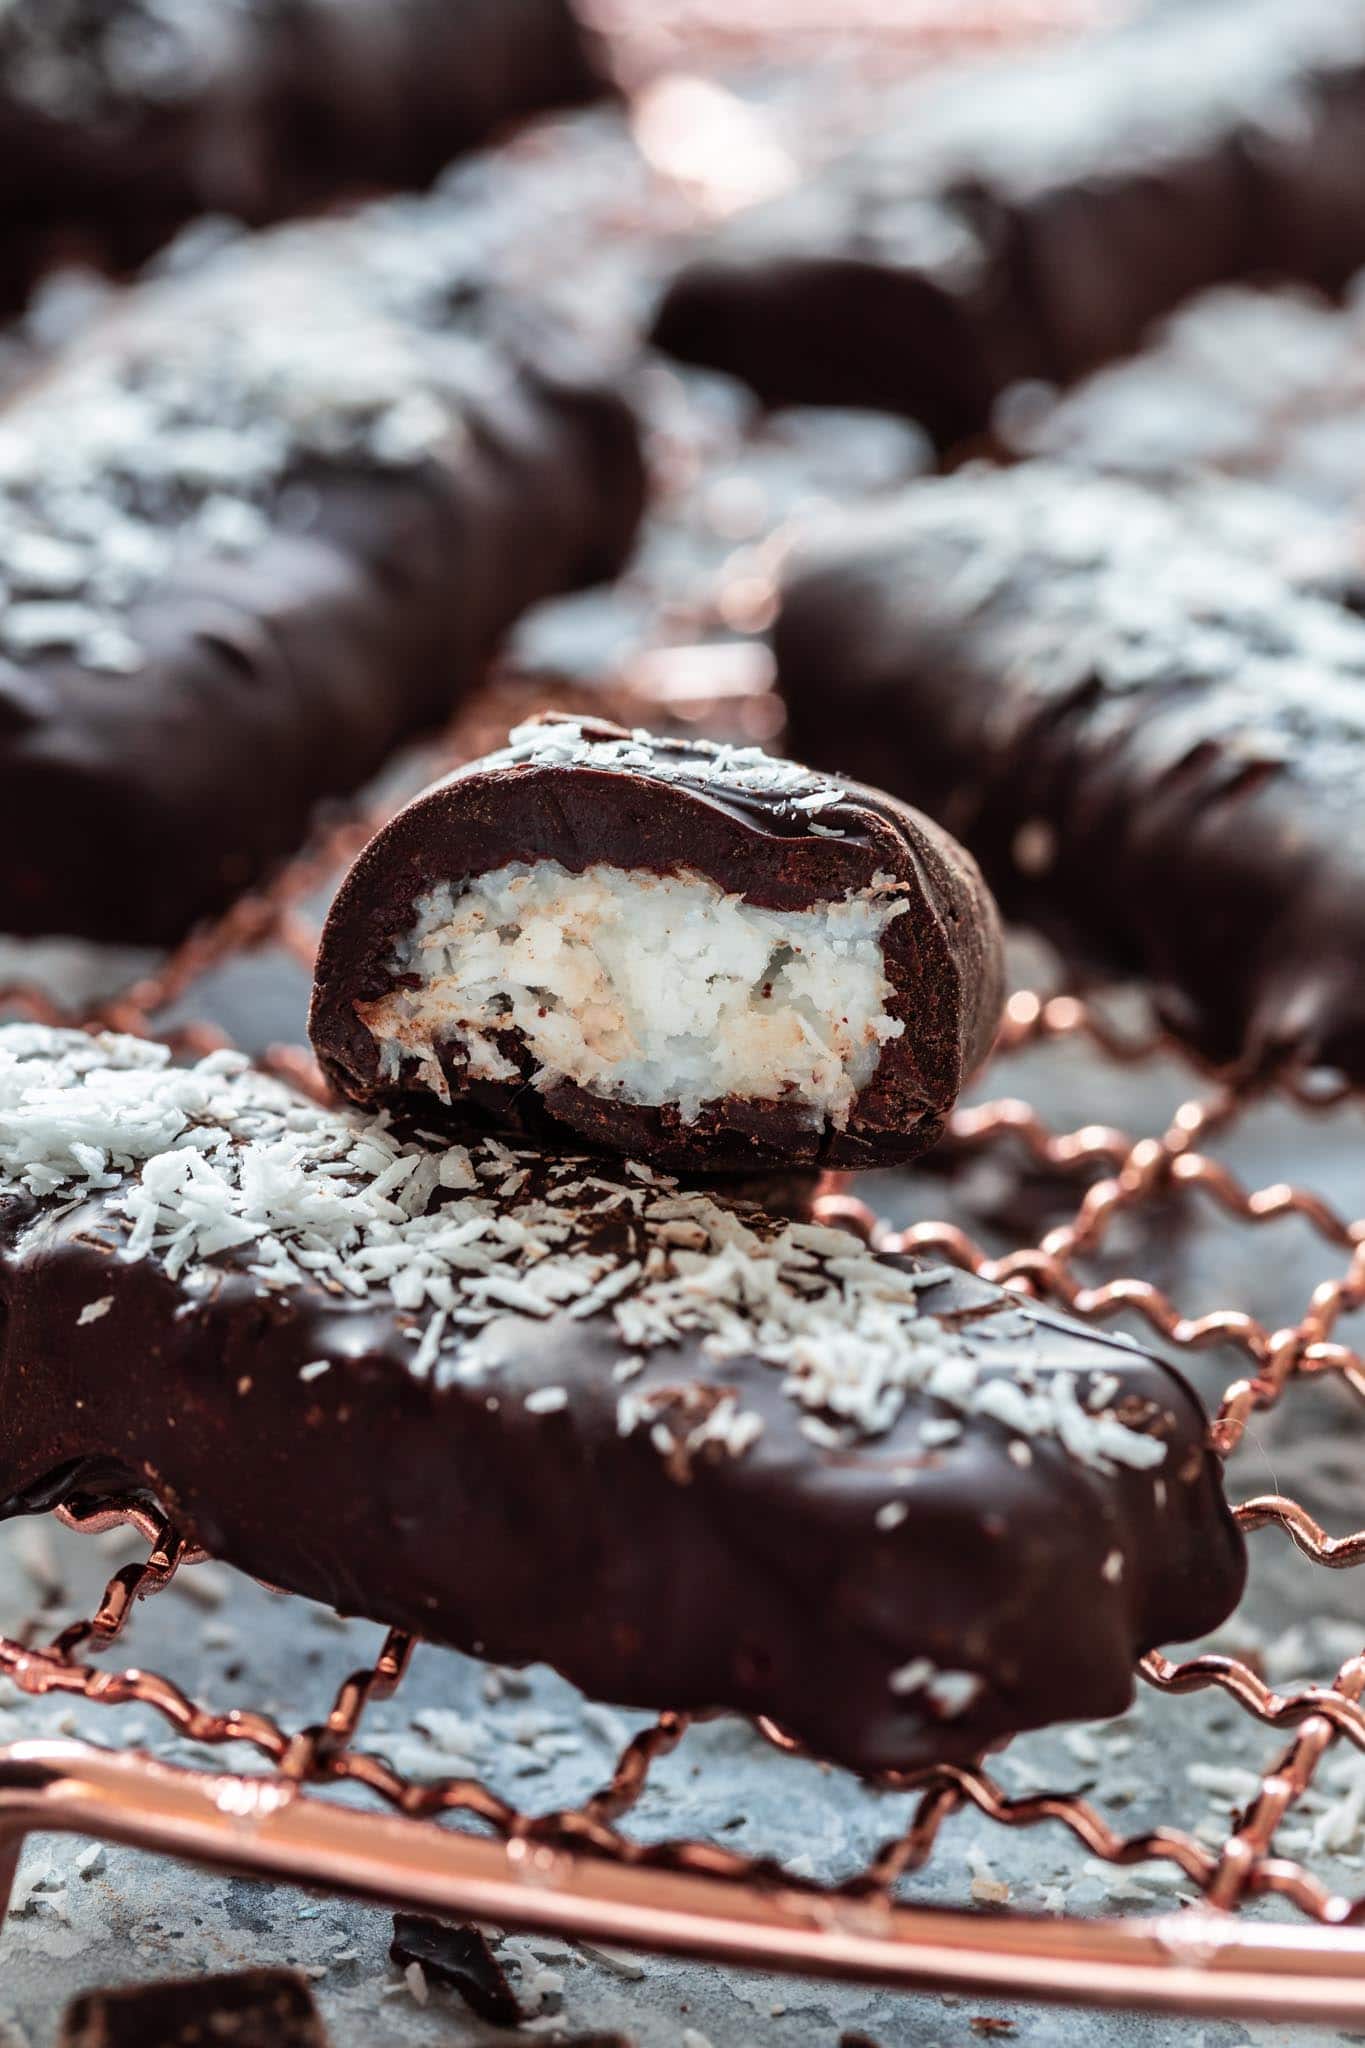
[{"x": 648, "y": 988}]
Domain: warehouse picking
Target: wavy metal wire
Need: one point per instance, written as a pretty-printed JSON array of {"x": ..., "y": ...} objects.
[{"x": 578, "y": 1871}]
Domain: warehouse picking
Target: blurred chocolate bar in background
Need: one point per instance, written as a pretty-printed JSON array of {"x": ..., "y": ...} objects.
[
  {"x": 1148, "y": 735},
  {"x": 1265, "y": 385},
  {"x": 122, "y": 119},
  {"x": 1031, "y": 216}
]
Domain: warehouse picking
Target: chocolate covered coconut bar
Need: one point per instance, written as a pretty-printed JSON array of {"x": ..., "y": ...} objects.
[
  {"x": 1268, "y": 386},
  {"x": 1031, "y": 216},
  {"x": 264, "y": 525},
  {"x": 122, "y": 119},
  {"x": 698, "y": 955},
  {"x": 1149, "y": 735},
  {"x": 558, "y": 1409}
]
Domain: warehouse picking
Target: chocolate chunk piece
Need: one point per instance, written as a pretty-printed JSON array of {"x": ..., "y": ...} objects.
[
  {"x": 550, "y": 1409},
  {"x": 459, "y": 1957},
  {"x": 264, "y": 525},
  {"x": 122, "y": 119},
  {"x": 1031, "y": 216},
  {"x": 250, "y": 2009},
  {"x": 1148, "y": 736},
  {"x": 697, "y": 954}
]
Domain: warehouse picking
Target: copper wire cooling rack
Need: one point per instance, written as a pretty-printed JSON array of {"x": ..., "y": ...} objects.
[{"x": 580, "y": 1872}]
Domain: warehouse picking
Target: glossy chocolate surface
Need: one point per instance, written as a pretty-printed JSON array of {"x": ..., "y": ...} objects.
[{"x": 690, "y": 1456}]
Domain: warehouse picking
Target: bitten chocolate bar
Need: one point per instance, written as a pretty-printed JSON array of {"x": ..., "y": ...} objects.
[
  {"x": 1030, "y": 217},
  {"x": 1150, "y": 738},
  {"x": 697, "y": 955},
  {"x": 265, "y": 524},
  {"x": 121, "y": 120},
  {"x": 559, "y": 1409}
]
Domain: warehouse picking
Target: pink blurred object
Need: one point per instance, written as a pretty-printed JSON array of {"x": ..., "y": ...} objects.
[{"x": 651, "y": 37}]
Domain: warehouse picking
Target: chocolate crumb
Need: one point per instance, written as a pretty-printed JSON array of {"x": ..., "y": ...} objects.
[{"x": 460, "y": 1958}]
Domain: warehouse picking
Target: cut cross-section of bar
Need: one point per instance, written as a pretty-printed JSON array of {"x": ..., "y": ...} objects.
[{"x": 700, "y": 955}]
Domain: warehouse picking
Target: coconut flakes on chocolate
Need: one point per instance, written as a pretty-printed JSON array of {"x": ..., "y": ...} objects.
[
  {"x": 217, "y": 1159},
  {"x": 596, "y": 936},
  {"x": 570, "y": 742},
  {"x": 580, "y": 1414},
  {"x": 262, "y": 525}
]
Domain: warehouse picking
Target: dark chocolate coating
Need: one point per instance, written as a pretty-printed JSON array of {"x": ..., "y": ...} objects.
[
  {"x": 1150, "y": 738},
  {"x": 248, "y": 2009},
  {"x": 270, "y": 679},
  {"x": 764, "y": 1579},
  {"x": 1029, "y": 217},
  {"x": 665, "y": 809},
  {"x": 278, "y": 109}
]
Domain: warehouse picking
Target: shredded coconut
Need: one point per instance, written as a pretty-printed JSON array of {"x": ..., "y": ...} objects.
[
  {"x": 649, "y": 988},
  {"x": 216, "y": 1164},
  {"x": 950, "y": 1693}
]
